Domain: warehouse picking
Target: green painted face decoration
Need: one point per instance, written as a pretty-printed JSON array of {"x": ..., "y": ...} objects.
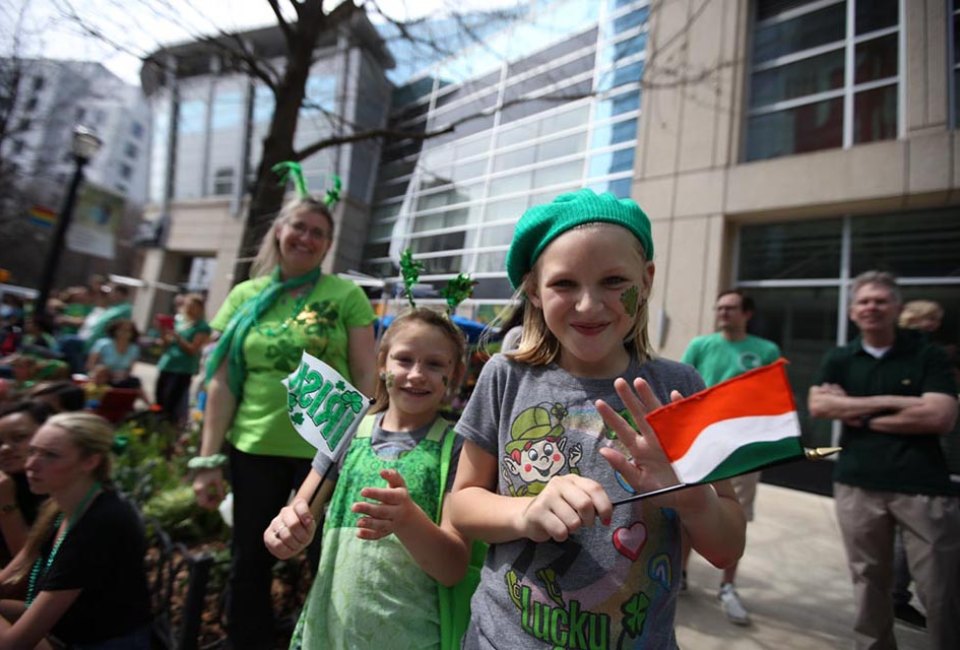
[
  {"x": 388, "y": 379},
  {"x": 630, "y": 299},
  {"x": 446, "y": 381}
]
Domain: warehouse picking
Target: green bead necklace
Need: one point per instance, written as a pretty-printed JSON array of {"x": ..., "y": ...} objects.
[
  {"x": 266, "y": 330},
  {"x": 41, "y": 566}
]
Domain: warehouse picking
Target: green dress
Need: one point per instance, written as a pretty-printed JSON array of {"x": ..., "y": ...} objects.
[{"x": 371, "y": 594}]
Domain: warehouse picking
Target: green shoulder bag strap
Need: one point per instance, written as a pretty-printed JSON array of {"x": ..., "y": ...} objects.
[{"x": 455, "y": 600}]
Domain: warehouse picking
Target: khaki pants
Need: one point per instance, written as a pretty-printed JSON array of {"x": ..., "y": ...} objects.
[
  {"x": 745, "y": 486},
  {"x": 931, "y": 536}
]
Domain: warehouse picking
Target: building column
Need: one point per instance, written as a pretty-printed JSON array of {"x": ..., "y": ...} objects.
[{"x": 151, "y": 273}]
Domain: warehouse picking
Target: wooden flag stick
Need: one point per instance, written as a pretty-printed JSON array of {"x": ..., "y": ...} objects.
[{"x": 322, "y": 493}]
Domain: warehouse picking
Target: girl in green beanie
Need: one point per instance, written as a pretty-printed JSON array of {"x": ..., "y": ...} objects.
[{"x": 552, "y": 438}]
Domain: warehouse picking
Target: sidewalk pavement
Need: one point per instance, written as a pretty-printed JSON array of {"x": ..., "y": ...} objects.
[{"x": 793, "y": 580}]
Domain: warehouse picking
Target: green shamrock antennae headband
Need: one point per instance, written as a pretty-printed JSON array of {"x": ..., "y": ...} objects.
[
  {"x": 410, "y": 270},
  {"x": 290, "y": 170},
  {"x": 456, "y": 291}
]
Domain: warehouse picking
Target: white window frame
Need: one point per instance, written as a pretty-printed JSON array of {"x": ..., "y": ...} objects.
[{"x": 849, "y": 90}]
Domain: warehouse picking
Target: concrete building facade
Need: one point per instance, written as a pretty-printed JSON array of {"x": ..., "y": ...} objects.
[
  {"x": 821, "y": 144},
  {"x": 52, "y": 98},
  {"x": 209, "y": 121},
  {"x": 783, "y": 146}
]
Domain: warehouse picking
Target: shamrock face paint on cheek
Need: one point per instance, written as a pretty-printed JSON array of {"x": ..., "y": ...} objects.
[
  {"x": 446, "y": 381},
  {"x": 388, "y": 379},
  {"x": 630, "y": 299}
]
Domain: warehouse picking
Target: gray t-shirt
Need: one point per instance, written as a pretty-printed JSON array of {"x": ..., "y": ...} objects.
[
  {"x": 606, "y": 586},
  {"x": 390, "y": 445}
]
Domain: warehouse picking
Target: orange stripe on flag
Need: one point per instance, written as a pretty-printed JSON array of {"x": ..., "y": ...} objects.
[{"x": 762, "y": 391}]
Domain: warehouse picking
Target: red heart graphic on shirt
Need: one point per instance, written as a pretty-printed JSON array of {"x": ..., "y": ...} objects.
[{"x": 629, "y": 541}]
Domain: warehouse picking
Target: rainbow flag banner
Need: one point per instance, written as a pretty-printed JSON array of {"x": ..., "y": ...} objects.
[
  {"x": 741, "y": 425},
  {"x": 41, "y": 216}
]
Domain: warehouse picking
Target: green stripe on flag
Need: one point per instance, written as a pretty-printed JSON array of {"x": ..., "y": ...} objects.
[{"x": 756, "y": 456}]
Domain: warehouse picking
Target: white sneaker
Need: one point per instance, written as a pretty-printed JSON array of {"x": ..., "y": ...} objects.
[{"x": 734, "y": 610}]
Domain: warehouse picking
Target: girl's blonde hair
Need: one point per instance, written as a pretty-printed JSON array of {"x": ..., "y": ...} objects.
[
  {"x": 538, "y": 345},
  {"x": 269, "y": 254},
  {"x": 916, "y": 311},
  {"x": 428, "y": 317},
  {"x": 91, "y": 434}
]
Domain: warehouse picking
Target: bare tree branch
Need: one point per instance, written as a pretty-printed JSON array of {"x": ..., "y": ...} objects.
[{"x": 282, "y": 22}]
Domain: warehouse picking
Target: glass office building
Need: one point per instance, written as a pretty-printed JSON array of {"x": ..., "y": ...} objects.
[{"x": 547, "y": 105}]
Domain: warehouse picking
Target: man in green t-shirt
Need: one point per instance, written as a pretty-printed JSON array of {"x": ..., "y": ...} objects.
[
  {"x": 895, "y": 394},
  {"x": 726, "y": 353}
]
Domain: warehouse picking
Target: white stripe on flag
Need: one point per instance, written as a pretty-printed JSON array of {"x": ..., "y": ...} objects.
[{"x": 717, "y": 441}]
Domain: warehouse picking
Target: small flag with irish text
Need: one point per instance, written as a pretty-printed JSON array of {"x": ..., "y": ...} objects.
[{"x": 324, "y": 408}]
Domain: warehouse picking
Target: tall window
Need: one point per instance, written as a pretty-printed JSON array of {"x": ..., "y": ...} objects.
[
  {"x": 825, "y": 74},
  {"x": 798, "y": 271},
  {"x": 558, "y": 111}
]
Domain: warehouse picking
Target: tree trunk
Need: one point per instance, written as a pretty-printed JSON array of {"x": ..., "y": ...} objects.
[{"x": 267, "y": 192}]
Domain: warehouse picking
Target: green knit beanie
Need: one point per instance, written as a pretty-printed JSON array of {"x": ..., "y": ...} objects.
[{"x": 541, "y": 224}]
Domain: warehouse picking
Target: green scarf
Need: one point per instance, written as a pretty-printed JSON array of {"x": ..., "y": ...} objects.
[{"x": 230, "y": 345}]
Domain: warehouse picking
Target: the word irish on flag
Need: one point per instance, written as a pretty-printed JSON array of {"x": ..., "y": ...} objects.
[
  {"x": 323, "y": 407},
  {"x": 741, "y": 425}
]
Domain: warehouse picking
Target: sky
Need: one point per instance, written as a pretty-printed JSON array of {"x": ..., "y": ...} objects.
[{"x": 129, "y": 29}]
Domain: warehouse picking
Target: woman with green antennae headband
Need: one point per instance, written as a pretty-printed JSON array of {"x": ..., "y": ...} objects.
[{"x": 288, "y": 307}]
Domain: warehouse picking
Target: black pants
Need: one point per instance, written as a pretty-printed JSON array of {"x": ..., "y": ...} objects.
[
  {"x": 261, "y": 486},
  {"x": 171, "y": 389}
]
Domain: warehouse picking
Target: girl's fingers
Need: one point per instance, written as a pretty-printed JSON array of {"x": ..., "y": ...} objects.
[
  {"x": 302, "y": 510},
  {"x": 297, "y": 531},
  {"x": 602, "y": 506},
  {"x": 638, "y": 410},
  {"x": 372, "y": 529},
  {"x": 570, "y": 503},
  {"x": 556, "y": 529},
  {"x": 590, "y": 501},
  {"x": 625, "y": 433},
  {"x": 619, "y": 463},
  {"x": 393, "y": 478},
  {"x": 373, "y": 510},
  {"x": 370, "y": 534},
  {"x": 650, "y": 403},
  {"x": 646, "y": 394},
  {"x": 389, "y": 496}
]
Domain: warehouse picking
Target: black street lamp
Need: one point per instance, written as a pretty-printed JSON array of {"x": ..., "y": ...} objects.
[{"x": 85, "y": 145}]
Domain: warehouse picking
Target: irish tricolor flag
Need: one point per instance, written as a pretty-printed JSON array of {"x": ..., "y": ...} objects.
[{"x": 738, "y": 426}]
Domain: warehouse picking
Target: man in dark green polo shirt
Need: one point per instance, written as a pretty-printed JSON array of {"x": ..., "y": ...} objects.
[{"x": 895, "y": 394}]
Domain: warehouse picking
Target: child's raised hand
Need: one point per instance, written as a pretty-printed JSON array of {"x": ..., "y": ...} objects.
[
  {"x": 647, "y": 468},
  {"x": 568, "y": 503},
  {"x": 290, "y": 531},
  {"x": 394, "y": 509}
]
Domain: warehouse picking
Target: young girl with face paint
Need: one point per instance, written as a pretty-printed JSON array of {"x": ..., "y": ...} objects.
[
  {"x": 385, "y": 543},
  {"x": 555, "y": 432}
]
